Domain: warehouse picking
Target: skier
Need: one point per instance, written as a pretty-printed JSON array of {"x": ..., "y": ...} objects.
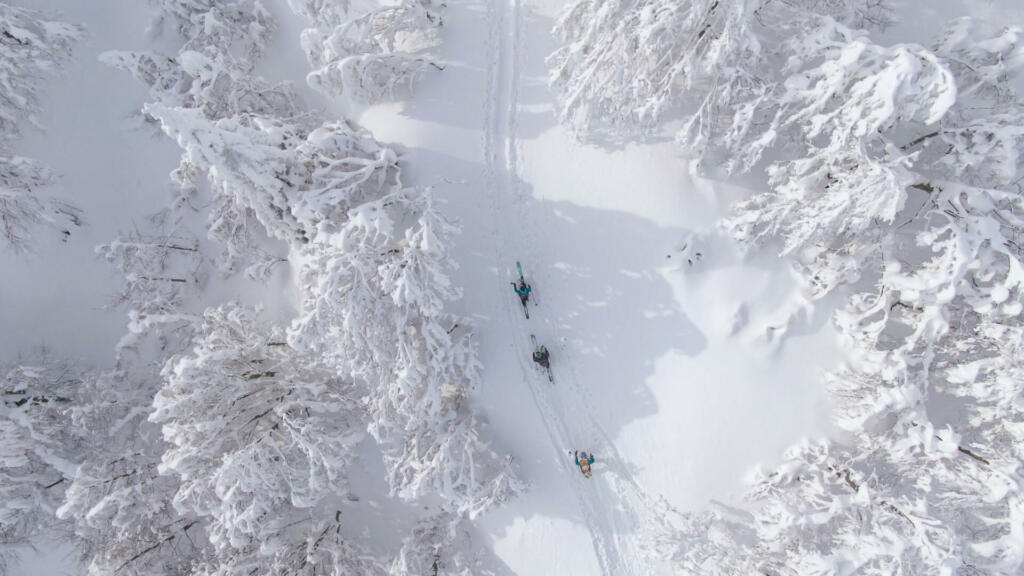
[
  {"x": 541, "y": 356},
  {"x": 584, "y": 461},
  {"x": 523, "y": 290}
]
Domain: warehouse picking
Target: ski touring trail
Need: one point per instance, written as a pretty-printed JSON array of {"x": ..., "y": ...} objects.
[{"x": 623, "y": 521}]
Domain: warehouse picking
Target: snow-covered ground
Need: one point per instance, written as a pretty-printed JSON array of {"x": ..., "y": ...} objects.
[
  {"x": 681, "y": 373},
  {"x": 109, "y": 167},
  {"x": 669, "y": 373},
  {"x": 675, "y": 376},
  {"x": 58, "y": 294}
]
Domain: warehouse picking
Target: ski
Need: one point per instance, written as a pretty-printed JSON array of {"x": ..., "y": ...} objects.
[
  {"x": 522, "y": 280},
  {"x": 533, "y": 295}
]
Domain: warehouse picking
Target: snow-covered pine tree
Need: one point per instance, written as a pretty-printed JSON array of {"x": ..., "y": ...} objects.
[
  {"x": 39, "y": 448},
  {"x": 32, "y": 46},
  {"x": 249, "y": 160},
  {"x": 291, "y": 181},
  {"x": 342, "y": 168},
  {"x": 208, "y": 97},
  {"x": 262, "y": 437},
  {"x": 622, "y": 66},
  {"x": 367, "y": 52}
]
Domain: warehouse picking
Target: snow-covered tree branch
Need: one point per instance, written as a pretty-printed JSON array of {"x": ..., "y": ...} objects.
[
  {"x": 32, "y": 46},
  {"x": 262, "y": 438},
  {"x": 235, "y": 29},
  {"x": 374, "y": 309},
  {"x": 625, "y": 67},
  {"x": 38, "y": 446},
  {"x": 262, "y": 426},
  {"x": 120, "y": 504},
  {"x": 367, "y": 52}
]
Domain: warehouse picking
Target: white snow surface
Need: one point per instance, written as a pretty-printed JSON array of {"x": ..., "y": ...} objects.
[
  {"x": 652, "y": 373},
  {"x": 55, "y": 295},
  {"x": 680, "y": 378}
]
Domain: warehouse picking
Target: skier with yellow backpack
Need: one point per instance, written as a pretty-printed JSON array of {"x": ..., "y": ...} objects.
[{"x": 583, "y": 460}]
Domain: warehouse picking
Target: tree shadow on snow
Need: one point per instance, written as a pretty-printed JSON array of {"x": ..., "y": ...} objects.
[
  {"x": 609, "y": 309},
  {"x": 603, "y": 307}
]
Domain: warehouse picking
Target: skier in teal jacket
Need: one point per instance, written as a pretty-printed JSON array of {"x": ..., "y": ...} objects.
[{"x": 523, "y": 289}]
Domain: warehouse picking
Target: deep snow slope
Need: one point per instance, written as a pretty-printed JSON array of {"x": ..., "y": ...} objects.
[
  {"x": 115, "y": 171},
  {"x": 111, "y": 168},
  {"x": 680, "y": 378}
]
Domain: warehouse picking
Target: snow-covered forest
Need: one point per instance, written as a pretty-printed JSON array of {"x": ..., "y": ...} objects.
[{"x": 257, "y": 316}]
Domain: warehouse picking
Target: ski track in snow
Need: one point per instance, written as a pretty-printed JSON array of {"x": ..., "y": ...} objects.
[{"x": 617, "y": 511}]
